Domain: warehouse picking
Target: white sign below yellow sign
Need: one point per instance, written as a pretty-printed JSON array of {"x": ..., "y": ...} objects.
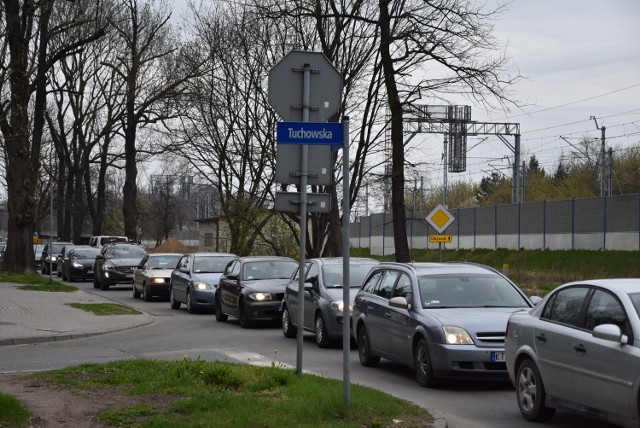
[{"x": 440, "y": 239}]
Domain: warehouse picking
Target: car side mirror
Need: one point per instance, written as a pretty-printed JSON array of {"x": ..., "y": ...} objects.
[
  {"x": 535, "y": 300},
  {"x": 232, "y": 277},
  {"x": 610, "y": 332},
  {"x": 399, "y": 302},
  {"x": 183, "y": 269}
]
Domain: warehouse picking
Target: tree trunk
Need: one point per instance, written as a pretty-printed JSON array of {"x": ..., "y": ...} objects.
[{"x": 397, "y": 142}]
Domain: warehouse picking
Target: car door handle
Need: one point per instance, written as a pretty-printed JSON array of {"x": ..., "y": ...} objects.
[
  {"x": 541, "y": 338},
  {"x": 580, "y": 348},
  {"x": 387, "y": 315},
  {"x": 370, "y": 308}
]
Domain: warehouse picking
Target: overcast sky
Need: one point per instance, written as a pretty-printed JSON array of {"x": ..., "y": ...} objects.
[{"x": 580, "y": 58}]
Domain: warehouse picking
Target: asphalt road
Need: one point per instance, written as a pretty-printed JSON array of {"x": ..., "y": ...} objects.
[{"x": 176, "y": 334}]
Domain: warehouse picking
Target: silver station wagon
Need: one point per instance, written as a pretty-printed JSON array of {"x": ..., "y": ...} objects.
[
  {"x": 441, "y": 319},
  {"x": 579, "y": 350}
]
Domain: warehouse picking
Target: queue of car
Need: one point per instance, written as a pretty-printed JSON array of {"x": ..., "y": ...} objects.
[{"x": 577, "y": 349}]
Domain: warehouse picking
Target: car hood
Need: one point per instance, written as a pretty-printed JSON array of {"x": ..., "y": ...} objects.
[
  {"x": 85, "y": 262},
  {"x": 158, "y": 273},
  {"x": 211, "y": 278},
  {"x": 124, "y": 262},
  {"x": 336, "y": 293},
  {"x": 474, "y": 319},
  {"x": 267, "y": 285}
]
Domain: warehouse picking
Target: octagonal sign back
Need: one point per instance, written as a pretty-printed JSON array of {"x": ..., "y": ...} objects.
[{"x": 286, "y": 86}]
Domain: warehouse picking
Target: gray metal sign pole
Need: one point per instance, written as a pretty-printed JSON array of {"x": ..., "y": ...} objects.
[
  {"x": 304, "y": 154},
  {"x": 346, "y": 297}
]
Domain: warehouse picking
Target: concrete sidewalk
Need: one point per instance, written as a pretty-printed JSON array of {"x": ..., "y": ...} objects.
[{"x": 29, "y": 316}]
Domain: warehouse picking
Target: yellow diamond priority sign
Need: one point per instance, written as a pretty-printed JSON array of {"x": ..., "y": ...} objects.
[{"x": 440, "y": 218}]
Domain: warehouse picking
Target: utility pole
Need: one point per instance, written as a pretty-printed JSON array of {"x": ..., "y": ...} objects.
[
  {"x": 602, "y": 157},
  {"x": 610, "y": 192}
]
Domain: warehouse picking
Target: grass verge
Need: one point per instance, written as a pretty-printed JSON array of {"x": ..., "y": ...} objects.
[
  {"x": 189, "y": 393},
  {"x": 102, "y": 309},
  {"x": 33, "y": 281},
  {"x": 12, "y": 412}
]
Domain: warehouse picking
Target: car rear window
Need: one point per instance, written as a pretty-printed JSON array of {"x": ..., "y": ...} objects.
[{"x": 635, "y": 299}]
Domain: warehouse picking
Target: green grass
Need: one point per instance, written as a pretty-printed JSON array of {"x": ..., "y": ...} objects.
[
  {"x": 12, "y": 412},
  {"x": 537, "y": 272},
  {"x": 33, "y": 281},
  {"x": 101, "y": 309},
  {"x": 190, "y": 393}
]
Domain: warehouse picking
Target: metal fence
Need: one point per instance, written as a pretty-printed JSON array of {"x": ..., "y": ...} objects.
[{"x": 603, "y": 223}]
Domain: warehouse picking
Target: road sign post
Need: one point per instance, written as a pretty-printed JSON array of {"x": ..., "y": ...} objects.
[
  {"x": 289, "y": 83},
  {"x": 440, "y": 218}
]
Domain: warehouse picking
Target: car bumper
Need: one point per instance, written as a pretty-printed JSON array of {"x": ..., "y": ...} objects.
[
  {"x": 159, "y": 289},
  {"x": 202, "y": 298},
  {"x": 82, "y": 274},
  {"x": 468, "y": 361},
  {"x": 334, "y": 325},
  {"x": 264, "y": 311},
  {"x": 114, "y": 277}
]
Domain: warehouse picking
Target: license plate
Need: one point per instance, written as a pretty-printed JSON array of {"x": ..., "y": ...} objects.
[
  {"x": 280, "y": 307},
  {"x": 89, "y": 272},
  {"x": 497, "y": 356}
]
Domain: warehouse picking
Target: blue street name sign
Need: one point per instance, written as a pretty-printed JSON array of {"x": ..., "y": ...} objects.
[{"x": 310, "y": 133}]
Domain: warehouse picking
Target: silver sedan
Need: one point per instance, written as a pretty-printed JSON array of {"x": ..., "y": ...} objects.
[{"x": 579, "y": 349}]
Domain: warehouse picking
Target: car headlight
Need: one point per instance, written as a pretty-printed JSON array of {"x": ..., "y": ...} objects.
[
  {"x": 157, "y": 280},
  {"x": 338, "y": 305},
  {"x": 260, "y": 296},
  {"x": 54, "y": 258},
  {"x": 77, "y": 265},
  {"x": 201, "y": 286},
  {"x": 456, "y": 336},
  {"x": 109, "y": 267}
]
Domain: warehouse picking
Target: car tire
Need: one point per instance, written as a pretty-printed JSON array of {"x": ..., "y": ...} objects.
[
  {"x": 243, "y": 315},
  {"x": 146, "y": 294},
  {"x": 288, "y": 329},
  {"x": 135, "y": 292},
  {"x": 530, "y": 393},
  {"x": 422, "y": 363},
  {"x": 322, "y": 337},
  {"x": 220, "y": 317},
  {"x": 172, "y": 300},
  {"x": 364, "y": 349},
  {"x": 190, "y": 308}
]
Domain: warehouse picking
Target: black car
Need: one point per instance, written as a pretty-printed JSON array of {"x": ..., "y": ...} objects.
[
  {"x": 79, "y": 263},
  {"x": 49, "y": 258},
  {"x": 115, "y": 264},
  {"x": 252, "y": 288}
]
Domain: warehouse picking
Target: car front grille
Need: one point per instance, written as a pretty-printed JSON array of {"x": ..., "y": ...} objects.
[
  {"x": 125, "y": 269},
  {"x": 490, "y": 337}
]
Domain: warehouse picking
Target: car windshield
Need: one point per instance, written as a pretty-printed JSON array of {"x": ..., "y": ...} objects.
[
  {"x": 89, "y": 253},
  {"x": 269, "y": 270},
  {"x": 635, "y": 299},
  {"x": 57, "y": 248},
  {"x": 332, "y": 275},
  {"x": 468, "y": 290},
  {"x": 210, "y": 264},
  {"x": 126, "y": 252},
  {"x": 163, "y": 262}
]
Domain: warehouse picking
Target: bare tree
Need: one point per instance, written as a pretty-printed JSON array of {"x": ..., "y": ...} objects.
[
  {"x": 29, "y": 36},
  {"x": 149, "y": 63}
]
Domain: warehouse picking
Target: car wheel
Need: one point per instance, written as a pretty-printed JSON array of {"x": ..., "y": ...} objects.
[
  {"x": 146, "y": 294},
  {"x": 322, "y": 337},
  {"x": 288, "y": 329},
  {"x": 136, "y": 294},
  {"x": 530, "y": 393},
  {"x": 422, "y": 362},
  {"x": 190, "y": 308},
  {"x": 218, "y": 310},
  {"x": 244, "y": 315},
  {"x": 364, "y": 349},
  {"x": 172, "y": 300}
]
